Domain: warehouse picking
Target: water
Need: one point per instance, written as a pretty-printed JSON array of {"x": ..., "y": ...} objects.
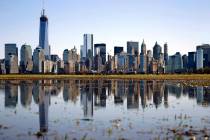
[{"x": 103, "y": 109}]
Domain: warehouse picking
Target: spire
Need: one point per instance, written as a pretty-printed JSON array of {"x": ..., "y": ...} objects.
[
  {"x": 43, "y": 12},
  {"x": 43, "y": 9},
  {"x": 143, "y": 43}
]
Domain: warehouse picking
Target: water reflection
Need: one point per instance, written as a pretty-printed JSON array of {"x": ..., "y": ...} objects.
[
  {"x": 11, "y": 94},
  {"x": 95, "y": 94}
]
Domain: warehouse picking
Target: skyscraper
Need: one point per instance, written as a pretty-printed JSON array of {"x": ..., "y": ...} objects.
[
  {"x": 38, "y": 60},
  {"x": 175, "y": 63},
  {"x": 185, "y": 61},
  {"x": 143, "y": 62},
  {"x": 206, "y": 54},
  {"x": 143, "y": 48},
  {"x": 10, "y": 49},
  {"x": 11, "y": 58},
  {"x": 149, "y": 60},
  {"x": 43, "y": 35},
  {"x": 133, "y": 48},
  {"x": 166, "y": 53},
  {"x": 26, "y": 63},
  {"x": 199, "y": 58},
  {"x": 87, "y": 47},
  {"x": 118, "y": 50},
  {"x": 102, "y": 51},
  {"x": 191, "y": 61},
  {"x": 157, "y": 50}
]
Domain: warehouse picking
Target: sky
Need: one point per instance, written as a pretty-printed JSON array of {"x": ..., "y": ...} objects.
[{"x": 183, "y": 24}]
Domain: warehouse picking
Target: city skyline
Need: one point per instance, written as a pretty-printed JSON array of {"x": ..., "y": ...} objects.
[{"x": 172, "y": 22}]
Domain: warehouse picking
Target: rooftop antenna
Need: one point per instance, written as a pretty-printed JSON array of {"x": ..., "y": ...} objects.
[{"x": 43, "y": 10}]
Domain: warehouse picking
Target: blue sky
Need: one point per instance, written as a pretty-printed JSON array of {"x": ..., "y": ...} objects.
[{"x": 182, "y": 23}]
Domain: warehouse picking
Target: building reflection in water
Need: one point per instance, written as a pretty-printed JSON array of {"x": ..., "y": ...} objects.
[
  {"x": 11, "y": 94},
  {"x": 99, "y": 94},
  {"x": 199, "y": 94},
  {"x": 166, "y": 96},
  {"x": 42, "y": 95},
  {"x": 143, "y": 94},
  {"x": 132, "y": 95},
  {"x": 71, "y": 90},
  {"x": 119, "y": 91},
  {"x": 26, "y": 93},
  {"x": 86, "y": 98},
  {"x": 94, "y": 93}
]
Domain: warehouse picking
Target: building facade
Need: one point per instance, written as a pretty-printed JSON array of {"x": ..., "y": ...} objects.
[
  {"x": 38, "y": 60},
  {"x": 157, "y": 50},
  {"x": 26, "y": 63},
  {"x": 100, "y": 49},
  {"x": 118, "y": 50},
  {"x": 199, "y": 58},
  {"x": 133, "y": 48}
]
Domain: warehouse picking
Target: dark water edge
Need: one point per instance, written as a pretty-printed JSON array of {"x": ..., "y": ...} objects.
[{"x": 104, "y": 109}]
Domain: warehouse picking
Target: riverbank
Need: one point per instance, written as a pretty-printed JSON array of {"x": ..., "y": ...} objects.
[{"x": 96, "y": 77}]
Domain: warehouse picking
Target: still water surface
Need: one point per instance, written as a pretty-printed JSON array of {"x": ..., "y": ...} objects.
[{"x": 103, "y": 109}]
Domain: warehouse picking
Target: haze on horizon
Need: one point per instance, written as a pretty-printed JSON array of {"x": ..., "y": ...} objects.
[{"x": 183, "y": 24}]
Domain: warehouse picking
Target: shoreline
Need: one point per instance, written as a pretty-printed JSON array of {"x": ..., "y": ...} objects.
[{"x": 106, "y": 77}]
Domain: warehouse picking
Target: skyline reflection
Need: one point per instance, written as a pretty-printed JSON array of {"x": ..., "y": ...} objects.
[
  {"x": 95, "y": 93},
  {"x": 71, "y": 101}
]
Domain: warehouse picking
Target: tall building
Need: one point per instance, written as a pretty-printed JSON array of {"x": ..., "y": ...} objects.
[
  {"x": 38, "y": 60},
  {"x": 166, "y": 53},
  {"x": 191, "y": 61},
  {"x": 12, "y": 65},
  {"x": 54, "y": 58},
  {"x": 175, "y": 63},
  {"x": 206, "y": 54},
  {"x": 70, "y": 58},
  {"x": 131, "y": 62},
  {"x": 143, "y": 58},
  {"x": 43, "y": 35},
  {"x": 101, "y": 51},
  {"x": 178, "y": 61},
  {"x": 10, "y": 49},
  {"x": 118, "y": 50},
  {"x": 149, "y": 60},
  {"x": 87, "y": 47},
  {"x": 157, "y": 50},
  {"x": 143, "y": 48},
  {"x": 11, "y": 58},
  {"x": 122, "y": 62},
  {"x": 185, "y": 61},
  {"x": 199, "y": 58},
  {"x": 133, "y": 48},
  {"x": 26, "y": 63}
]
